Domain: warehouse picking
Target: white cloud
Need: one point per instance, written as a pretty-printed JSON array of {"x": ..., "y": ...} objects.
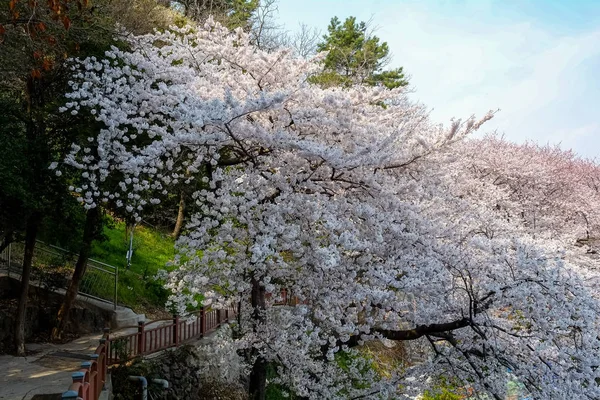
[
  {"x": 461, "y": 66},
  {"x": 537, "y": 62}
]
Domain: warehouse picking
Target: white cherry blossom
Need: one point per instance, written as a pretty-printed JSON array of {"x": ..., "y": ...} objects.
[{"x": 351, "y": 199}]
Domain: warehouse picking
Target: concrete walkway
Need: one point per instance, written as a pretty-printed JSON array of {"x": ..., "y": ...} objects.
[
  {"x": 48, "y": 367},
  {"x": 46, "y": 370}
]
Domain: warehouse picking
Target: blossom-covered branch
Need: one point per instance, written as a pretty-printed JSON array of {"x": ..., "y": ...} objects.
[{"x": 370, "y": 214}]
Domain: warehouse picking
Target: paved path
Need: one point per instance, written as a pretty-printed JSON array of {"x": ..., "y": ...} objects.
[
  {"x": 48, "y": 368},
  {"x": 43, "y": 372}
]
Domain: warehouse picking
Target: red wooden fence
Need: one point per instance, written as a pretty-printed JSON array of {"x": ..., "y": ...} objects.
[
  {"x": 89, "y": 380},
  {"x": 148, "y": 340},
  {"x": 91, "y": 377}
]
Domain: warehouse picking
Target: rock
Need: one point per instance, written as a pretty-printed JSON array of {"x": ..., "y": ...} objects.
[{"x": 180, "y": 368}]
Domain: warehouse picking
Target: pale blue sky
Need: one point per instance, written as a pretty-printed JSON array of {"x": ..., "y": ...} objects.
[{"x": 538, "y": 61}]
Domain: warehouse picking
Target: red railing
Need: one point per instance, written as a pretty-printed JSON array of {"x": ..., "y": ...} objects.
[
  {"x": 148, "y": 340},
  {"x": 287, "y": 299},
  {"x": 90, "y": 379}
]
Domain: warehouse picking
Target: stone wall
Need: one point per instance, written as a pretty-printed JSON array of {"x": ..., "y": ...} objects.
[
  {"x": 42, "y": 309},
  {"x": 183, "y": 369}
]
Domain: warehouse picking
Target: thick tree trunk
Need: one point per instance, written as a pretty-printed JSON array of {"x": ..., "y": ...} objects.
[
  {"x": 258, "y": 376},
  {"x": 180, "y": 216},
  {"x": 30, "y": 235},
  {"x": 258, "y": 380},
  {"x": 89, "y": 233}
]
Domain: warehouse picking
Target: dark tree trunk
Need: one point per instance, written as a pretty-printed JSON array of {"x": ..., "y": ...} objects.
[
  {"x": 258, "y": 376},
  {"x": 258, "y": 380},
  {"x": 89, "y": 234},
  {"x": 180, "y": 216},
  {"x": 30, "y": 235}
]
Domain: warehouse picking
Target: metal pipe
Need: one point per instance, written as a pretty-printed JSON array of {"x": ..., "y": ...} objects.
[
  {"x": 144, "y": 381},
  {"x": 116, "y": 287},
  {"x": 163, "y": 382},
  {"x": 144, "y": 385}
]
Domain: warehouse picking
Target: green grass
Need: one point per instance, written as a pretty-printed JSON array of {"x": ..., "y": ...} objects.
[{"x": 151, "y": 251}]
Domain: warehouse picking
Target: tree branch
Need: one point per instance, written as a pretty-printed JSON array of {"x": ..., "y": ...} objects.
[{"x": 422, "y": 330}]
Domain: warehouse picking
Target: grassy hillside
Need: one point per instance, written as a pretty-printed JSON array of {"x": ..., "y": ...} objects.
[{"x": 151, "y": 251}]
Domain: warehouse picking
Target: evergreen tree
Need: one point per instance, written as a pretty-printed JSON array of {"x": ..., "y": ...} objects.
[{"x": 356, "y": 57}]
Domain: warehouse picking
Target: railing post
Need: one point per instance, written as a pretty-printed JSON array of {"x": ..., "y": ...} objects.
[
  {"x": 141, "y": 342},
  {"x": 105, "y": 360},
  {"x": 94, "y": 377},
  {"x": 97, "y": 378},
  {"x": 77, "y": 377},
  {"x": 218, "y": 317},
  {"x": 116, "y": 285},
  {"x": 86, "y": 365},
  {"x": 106, "y": 337},
  {"x": 176, "y": 330},
  {"x": 202, "y": 321},
  {"x": 227, "y": 314},
  {"x": 85, "y": 381}
]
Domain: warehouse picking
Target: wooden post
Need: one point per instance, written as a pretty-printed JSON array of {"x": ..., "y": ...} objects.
[
  {"x": 95, "y": 376},
  {"x": 104, "y": 361},
  {"x": 141, "y": 342},
  {"x": 86, "y": 366},
  {"x": 218, "y": 317},
  {"x": 106, "y": 337},
  {"x": 202, "y": 321},
  {"x": 176, "y": 330}
]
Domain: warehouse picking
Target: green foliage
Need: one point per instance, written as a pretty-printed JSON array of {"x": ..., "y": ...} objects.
[
  {"x": 231, "y": 13},
  {"x": 33, "y": 132},
  {"x": 346, "y": 360},
  {"x": 275, "y": 391},
  {"x": 355, "y": 57},
  {"x": 63, "y": 228},
  {"x": 119, "y": 346},
  {"x": 15, "y": 196},
  {"x": 152, "y": 251},
  {"x": 445, "y": 389},
  {"x": 52, "y": 272},
  {"x": 443, "y": 394},
  {"x": 30, "y": 142},
  {"x": 241, "y": 11}
]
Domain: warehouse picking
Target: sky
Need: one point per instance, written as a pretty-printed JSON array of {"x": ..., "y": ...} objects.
[{"x": 538, "y": 61}]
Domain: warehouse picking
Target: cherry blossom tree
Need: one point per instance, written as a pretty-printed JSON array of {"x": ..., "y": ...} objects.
[
  {"x": 349, "y": 198},
  {"x": 551, "y": 192}
]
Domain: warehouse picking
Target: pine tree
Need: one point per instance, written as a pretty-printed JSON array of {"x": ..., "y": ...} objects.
[{"x": 356, "y": 57}]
